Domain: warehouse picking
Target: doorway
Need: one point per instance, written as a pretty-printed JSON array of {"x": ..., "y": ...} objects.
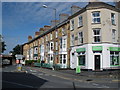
[{"x": 97, "y": 62}]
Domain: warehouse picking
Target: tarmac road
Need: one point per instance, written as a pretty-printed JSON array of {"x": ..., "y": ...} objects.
[{"x": 36, "y": 78}]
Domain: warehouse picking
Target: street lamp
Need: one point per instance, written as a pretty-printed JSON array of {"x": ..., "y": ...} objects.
[{"x": 45, "y": 6}]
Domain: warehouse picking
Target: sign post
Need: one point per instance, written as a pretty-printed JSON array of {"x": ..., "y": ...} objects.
[
  {"x": 78, "y": 70},
  {"x": 19, "y": 65}
]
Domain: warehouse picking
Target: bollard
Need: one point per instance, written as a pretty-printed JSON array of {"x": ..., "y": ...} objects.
[
  {"x": 19, "y": 67},
  {"x": 78, "y": 70}
]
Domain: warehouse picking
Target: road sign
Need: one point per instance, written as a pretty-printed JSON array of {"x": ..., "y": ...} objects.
[
  {"x": 19, "y": 56},
  {"x": 17, "y": 61}
]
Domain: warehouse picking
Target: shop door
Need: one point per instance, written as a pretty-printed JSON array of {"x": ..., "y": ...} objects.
[{"x": 97, "y": 62}]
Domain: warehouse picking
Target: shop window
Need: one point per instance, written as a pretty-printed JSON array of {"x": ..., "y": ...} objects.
[
  {"x": 81, "y": 59},
  {"x": 114, "y": 58}
]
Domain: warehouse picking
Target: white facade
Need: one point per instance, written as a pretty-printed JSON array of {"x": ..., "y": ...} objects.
[
  {"x": 63, "y": 52},
  {"x": 90, "y": 54}
]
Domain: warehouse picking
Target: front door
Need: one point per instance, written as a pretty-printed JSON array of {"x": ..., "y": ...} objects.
[{"x": 97, "y": 62}]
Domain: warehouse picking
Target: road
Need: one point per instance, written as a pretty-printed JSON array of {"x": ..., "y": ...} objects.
[{"x": 44, "y": 78}]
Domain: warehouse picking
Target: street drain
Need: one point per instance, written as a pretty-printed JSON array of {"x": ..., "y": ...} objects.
[{"x": 89, "y": 80}]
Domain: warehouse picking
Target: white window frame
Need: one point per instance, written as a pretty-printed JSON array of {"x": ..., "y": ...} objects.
[
  {"x": 114, "y": 35},
  {"x": 46, "y": 37},
  {"x": 80, "y": 21},
  {"x": 56, "y": 34},
  {"x": 64, "y": 44},
  {"x": 51, "y": 45},
  {"x": 72, "y": 24},
  {"x": 50, "y": 36},
  {"x": 56, "y": 45},
  {"x": 96, "y": 35},
  {"x": 72, "y": 39},
  {"x": 63, "y": 30},
  {"x": 80, "y": 37},
  {"x": 113, "y": 19},
  {"x": 96, "y": 17}
]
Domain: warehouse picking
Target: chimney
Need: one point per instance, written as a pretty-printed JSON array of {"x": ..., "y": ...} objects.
[
  {"x": 46, "y": 27},
  {"x": 74, "y": 9},
  {"x": 29, "y": 38},
  {"x": 37, "y": 34},
  {"x": 41, "y": 31},
  {"x": 63, "y": 17},
  {"x": 54, "y": 22},
  {"x": 117, "y": 5}
]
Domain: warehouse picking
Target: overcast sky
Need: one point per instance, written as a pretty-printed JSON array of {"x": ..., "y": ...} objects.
[{"x": 20, "y": 19}]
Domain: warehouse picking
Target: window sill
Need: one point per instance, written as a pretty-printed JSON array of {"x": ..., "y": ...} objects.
[
  {"x": 95, "y": 23},
  {"x": 114, "y": 24},
  {"x": 80, "y": 26},
  {"x": 96, "y": 42}
]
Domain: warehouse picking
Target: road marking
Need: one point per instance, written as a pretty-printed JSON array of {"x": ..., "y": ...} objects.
[{"x": 18, "y": 84}]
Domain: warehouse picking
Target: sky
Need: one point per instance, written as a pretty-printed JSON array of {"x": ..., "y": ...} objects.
[{"x": 20, "y": 19}]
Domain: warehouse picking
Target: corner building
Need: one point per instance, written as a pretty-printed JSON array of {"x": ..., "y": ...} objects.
[{"x": 94, "y": 39}]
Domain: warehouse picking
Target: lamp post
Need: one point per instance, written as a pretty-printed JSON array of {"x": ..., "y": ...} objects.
[{"x": 45, "y": 6}]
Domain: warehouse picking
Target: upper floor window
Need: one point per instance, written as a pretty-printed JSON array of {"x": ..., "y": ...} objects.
[
  {"x": 50, "y": 36},
  {"x": 113, "y": 35},
  {"x": 60, "y": 43},
  {"x": 80, "y": 37},
  {"x": 56, "y": 45},
  {"x": 80, "y": 21},
  {"x": 46, "y": 37},
  {"x": 63, "y": 30},
  {"x": 72, "y": 25},
  {"x": 113, "y": 18},
  {"x": 51, "y": 46},
  {"x": 96, "y": 17},
  {"x": 72, "y": 40},
  {"x": 96, "y": 35},
  {"x": 56, "y": 34},
  {"x": 64, "y": 43}
]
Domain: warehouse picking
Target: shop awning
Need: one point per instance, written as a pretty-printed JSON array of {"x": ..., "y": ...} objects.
[
  {"x": 114, "y": 48},
  {"x": 80, "y": 50},
  {"x": 97, "y": 48}
]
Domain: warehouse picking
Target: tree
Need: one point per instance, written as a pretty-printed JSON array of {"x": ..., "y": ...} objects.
[{"x": 17, "y": 50}]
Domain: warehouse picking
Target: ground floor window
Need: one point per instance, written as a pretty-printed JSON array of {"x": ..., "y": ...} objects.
[
  {"x": 114, "y": 58},
  {"x": 63, "y": 58},
  {"x": 81, "y": 58}
]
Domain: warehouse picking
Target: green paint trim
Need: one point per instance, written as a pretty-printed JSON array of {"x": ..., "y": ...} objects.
[
  {"x": 97, "y": 48},
  {"x": 114, "y": 48},
  {"x": 80, "y": 50},
  {"x": 114, "y": 65}
]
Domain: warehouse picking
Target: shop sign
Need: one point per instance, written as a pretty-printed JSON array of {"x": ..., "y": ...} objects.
[
  {"x": 80, "y": 50},
  {"x": 97, "y": 48},
  {"x": 114, "y": 48}
]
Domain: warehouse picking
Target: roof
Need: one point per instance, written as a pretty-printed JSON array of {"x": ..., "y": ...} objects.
[
  {"x": 91, "y": 5},
  {"x": 48, "y": 31},
  {"x": 95, "y": 5}
]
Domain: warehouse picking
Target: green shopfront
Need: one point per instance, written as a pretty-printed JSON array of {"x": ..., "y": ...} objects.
[
  {"x": 114, "y": 56},
  {"x": 95, "y": 57}
]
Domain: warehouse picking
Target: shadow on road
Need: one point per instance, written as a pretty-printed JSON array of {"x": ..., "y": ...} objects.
[{"x": 21, "y": 80}]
